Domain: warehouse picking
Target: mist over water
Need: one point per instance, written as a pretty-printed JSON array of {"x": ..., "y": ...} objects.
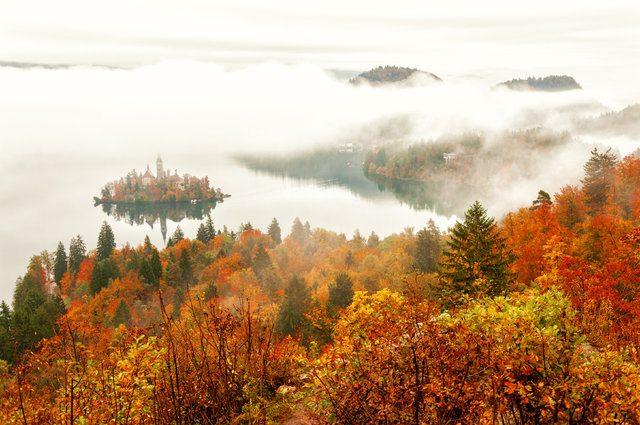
[{"x": 66, "y": 132}]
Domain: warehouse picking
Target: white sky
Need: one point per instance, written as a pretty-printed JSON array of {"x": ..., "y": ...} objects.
[{"x": 446, "y": 37}]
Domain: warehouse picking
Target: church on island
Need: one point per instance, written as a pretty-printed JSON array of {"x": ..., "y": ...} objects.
[
  {"x": 148, "y": 177},
  {"x": 164, "y": 186}
]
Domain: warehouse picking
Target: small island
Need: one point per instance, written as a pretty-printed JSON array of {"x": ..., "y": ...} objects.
[
  {"x": 550, "y": 83},
  {"x": 164, "y": 187},
  {"x": 393, "y": 75}
]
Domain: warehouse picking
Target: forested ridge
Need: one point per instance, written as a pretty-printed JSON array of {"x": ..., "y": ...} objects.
[{"x": 530, "y": 319}]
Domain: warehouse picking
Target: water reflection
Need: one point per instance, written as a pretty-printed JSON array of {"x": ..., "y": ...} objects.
[
  {"x": 324, "y": 167},
  {"x": 139, "y": 214},
  {"x": 447, "y": 197},
  {"x": 334, "y": 168}
]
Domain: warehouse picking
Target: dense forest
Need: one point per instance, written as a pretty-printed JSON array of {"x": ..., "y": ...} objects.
[
  {"x": 548, "y": 83},
  {"x": 533, "y": 319}
]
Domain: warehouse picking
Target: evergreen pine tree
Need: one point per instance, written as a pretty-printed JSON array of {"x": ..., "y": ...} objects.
[
  {"x": 357, "y": 241},
  {"x": 275, "y": 232},
  {"x": 178, "y": 299},
  {"x": 104, "y": 271},
  {"x": 6, "y": 345},
  {"x": 373, "y": 240},
  {"x": 178, "y": 235},
  {"x": 427, "y": 249},
  {"x": 77, "y": 253},
  {"x": 106, "y": 242},
  {"x": 340, "y": 292},
  {"x": 60, "y": 263},
  {"x": 148, "y": 246},
  {"x": 210, "y": 230},
  {"x": 151, "y": 269},
  {"x": 307, "y": 229},
  {"x": 186, "y": 271},
  {"x": 202, "y": 234},
  {"x": 244, "y": 227},
  {"x": 476, "y": 261},
  {"x": 156, "y": 267},
  {"x": 122, "y": 316},
  {"x": 296, "y": 302},
  {"x": 298, "y": 232},
  {"x": 145, "y": 272},
  {"x": 543, "y": 199},
  {"x": 35, "y": 312},
  {"x": 598, "y": 180}
]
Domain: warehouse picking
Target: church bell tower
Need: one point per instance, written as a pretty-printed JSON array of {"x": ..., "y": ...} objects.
[{"x": 159, "y": 169}]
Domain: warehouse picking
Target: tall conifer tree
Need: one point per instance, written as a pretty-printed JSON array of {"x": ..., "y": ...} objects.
[
  {"x": 77, "y": 253},
  {"x": 275, "y": 232},
  {"x": 340, "y": 292},
  {"x": 106, "y": 242},
  {"x": 476, "y": 261},
  {"x": 60, "y": 263},
  {"x": 297, "y": 300},
  {"x": 598, "y": 179},
  {"x": 427, "y": 249}
]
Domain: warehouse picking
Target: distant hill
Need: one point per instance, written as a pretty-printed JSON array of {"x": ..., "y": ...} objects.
[
  {"x": 392, "y": 74},
  {"x": 549, "y": 83},
  {"x": 625, "y": 122}
]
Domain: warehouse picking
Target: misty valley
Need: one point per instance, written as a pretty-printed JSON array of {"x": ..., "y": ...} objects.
[
  {"x": 447, "y": 174},
  {"x": 393, "y": 246}
]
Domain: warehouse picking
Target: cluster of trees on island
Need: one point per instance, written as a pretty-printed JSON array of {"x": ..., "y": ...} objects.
[
  {"x": 533, "y": 319},
  {"x": 550, "y": 83},
  {"x": 391, "y": 74},
  {"x": 137, "y": 188}
]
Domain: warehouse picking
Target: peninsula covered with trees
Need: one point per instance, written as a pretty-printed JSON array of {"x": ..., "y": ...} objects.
[
  {"x": 532, "y": 319},
  {"x": 426, "y": 173},
  {"x": 163, "y": 187},
  {"x": 467, "y": 154}
]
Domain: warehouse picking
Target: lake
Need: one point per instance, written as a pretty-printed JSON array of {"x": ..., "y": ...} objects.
[
  {"x": 46, "y": 198},
  {"x": 64, "y": 133}
]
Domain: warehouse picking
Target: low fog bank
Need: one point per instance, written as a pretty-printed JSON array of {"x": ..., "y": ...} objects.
[{"x": 189, "y": 108}]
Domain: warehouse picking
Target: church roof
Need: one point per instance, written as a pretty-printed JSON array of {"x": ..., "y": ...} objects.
[{"x": 147, "y": 173}]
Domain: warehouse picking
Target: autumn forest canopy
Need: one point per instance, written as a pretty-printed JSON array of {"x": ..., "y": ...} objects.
[{"x": 530, "y": 319}]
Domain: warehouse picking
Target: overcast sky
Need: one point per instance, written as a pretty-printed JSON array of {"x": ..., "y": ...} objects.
[{"x": 445, "y": 37}]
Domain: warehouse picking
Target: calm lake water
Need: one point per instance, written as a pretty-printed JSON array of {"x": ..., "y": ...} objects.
[{"x": 46, "y": 198}]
